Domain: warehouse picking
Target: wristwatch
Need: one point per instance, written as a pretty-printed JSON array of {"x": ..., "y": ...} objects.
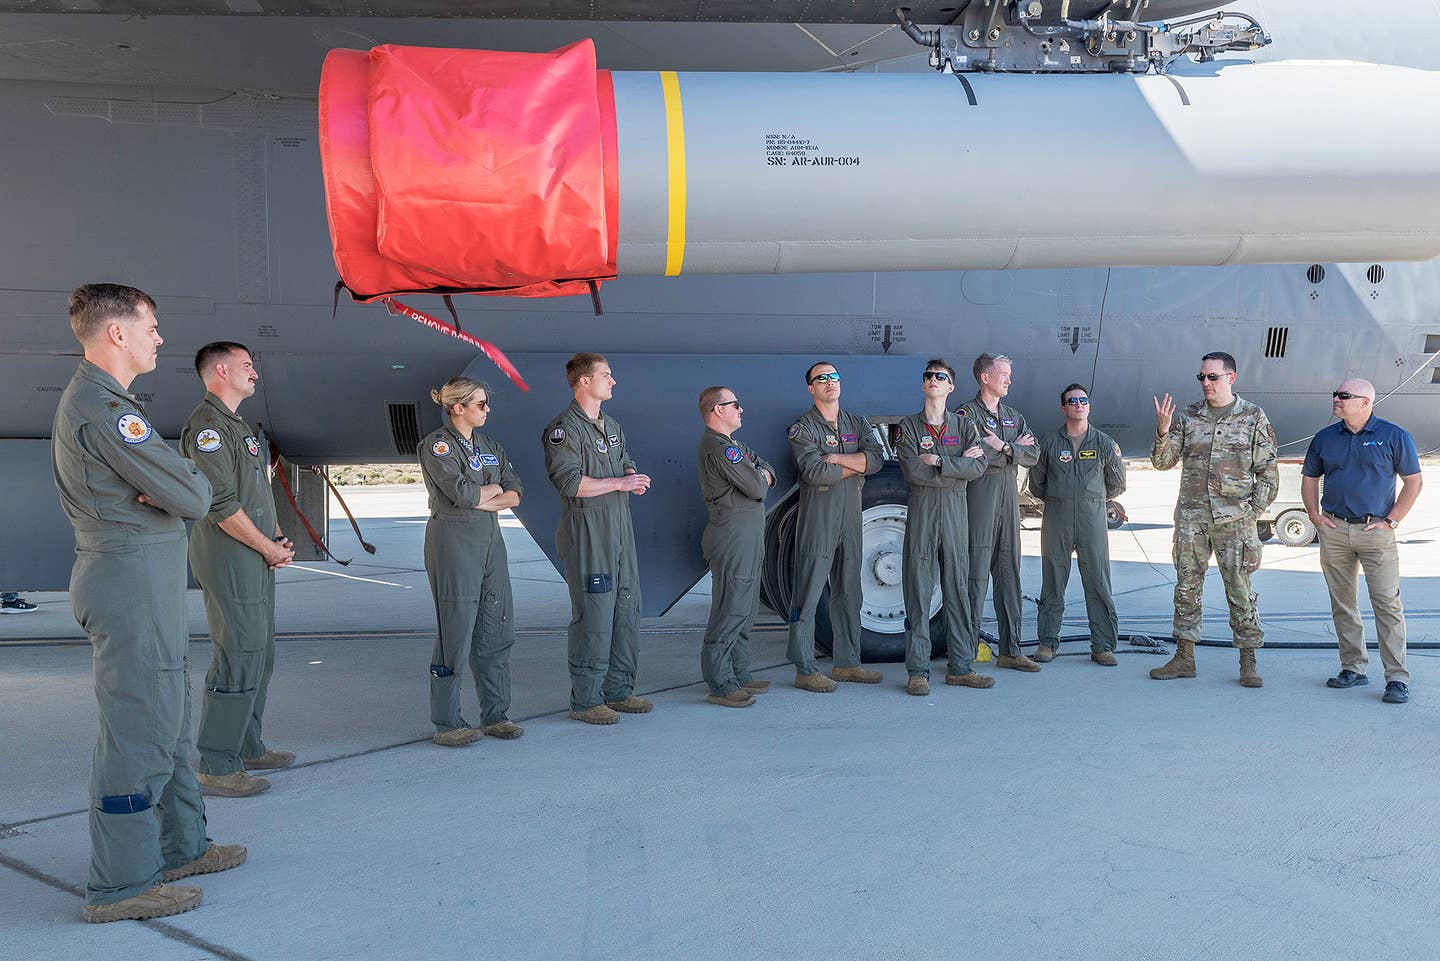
[
  {"x": 1008, "y": 451},
  {"x": 1391, "y": 523}
]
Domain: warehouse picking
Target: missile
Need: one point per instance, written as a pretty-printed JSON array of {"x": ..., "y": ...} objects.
[{"x": 537, "y": 174}]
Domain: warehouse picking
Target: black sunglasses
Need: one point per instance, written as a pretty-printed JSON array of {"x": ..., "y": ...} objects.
[
  {"x": 1344, "y": 395},
  {"x": 727, "y": 403},
  {"x": 1078, "y": 401},
  {"x": 935, "y": 375},
  {"x": 822, "y": 378},
  {"x": 1210, "y": 377}
]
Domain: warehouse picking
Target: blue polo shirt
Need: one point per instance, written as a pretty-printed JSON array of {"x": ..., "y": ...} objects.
[{"x": 1360, "y": 468}]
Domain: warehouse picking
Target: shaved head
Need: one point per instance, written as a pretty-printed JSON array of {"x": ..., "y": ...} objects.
[{"x": 1356, "y": 385}]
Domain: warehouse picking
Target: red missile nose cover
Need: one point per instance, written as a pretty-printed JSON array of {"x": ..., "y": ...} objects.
[{"x": 469, "y": 171}]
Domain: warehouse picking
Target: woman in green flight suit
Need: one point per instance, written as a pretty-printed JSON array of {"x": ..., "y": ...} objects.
[{"x": 469, "y": 481}]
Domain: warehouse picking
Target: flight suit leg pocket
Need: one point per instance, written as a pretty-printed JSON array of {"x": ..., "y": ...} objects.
[{"x": 599, "y": 584}]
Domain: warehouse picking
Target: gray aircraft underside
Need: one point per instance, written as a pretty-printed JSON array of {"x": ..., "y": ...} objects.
[{"x": 178, "y": 153}]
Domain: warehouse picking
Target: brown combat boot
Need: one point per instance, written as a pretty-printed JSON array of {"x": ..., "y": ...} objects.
[
  {"x": 161, "y": 901},
  {"x": 269, "y": 761},
  {"x": 1044, "y": 654},
  {"x": 234, "y": 784},
  {"x": 455, "y": 736},
  {"x": 1181, "y": 665},
  {"x": 756, "y": 687},
  {"x": 818, "y": 683},
  {"x": 599, "y": 714},
  {"x": 917, "y": 685},
  {"x": 1249, "y": 673},
  {"x": 632, "y": 705},
  {"x": 506, "y": 730},
  {"x": 857, "y": 675},
  {"x": 217, "y": 857},
  {"x": 736, "y": 698},
  {"x": 1104, "y": 658},
  {"x": 972, "y": 679},
  {"x": 1017, "y": 662}
]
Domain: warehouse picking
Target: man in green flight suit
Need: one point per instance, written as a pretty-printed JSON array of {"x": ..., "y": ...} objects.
[
  {"x": 939, "y": 455},
  {"x": 993, "y": 500},
  {"x": 235, "y": 550},
  {"x": 1079, "y": 470},
  {"x": 1228, "y": 475},
  {"x": 127, "y": 495},
  {"x": 733, "y": 480},
  {"x": 833, "y": 451},
  {"x": 587, "y": 460}
]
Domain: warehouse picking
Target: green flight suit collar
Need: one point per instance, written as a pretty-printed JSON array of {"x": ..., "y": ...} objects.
[
  {"x": 580, "y": 413},
  {"x": 103, "y": 378},
  {"x": 725, "y": 437},
  {"x": 219, "y": 405},
  {"x": 1084, "y": 441}
]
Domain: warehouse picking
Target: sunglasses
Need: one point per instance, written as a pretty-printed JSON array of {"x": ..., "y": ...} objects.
[
  {"x": 727, "y": 403},
  {"x": 482, "y": 404},
  {"x": 822, "y": 378},
  {"x": 1210, "y": 377},
  {"x": 939, "y": 375},
  {"x": 1078, "y": 401},
  {"x": 1344, "y": 395}
]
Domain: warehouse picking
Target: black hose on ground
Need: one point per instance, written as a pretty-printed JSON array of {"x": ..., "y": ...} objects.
[{"x": 1155, "y": 643}]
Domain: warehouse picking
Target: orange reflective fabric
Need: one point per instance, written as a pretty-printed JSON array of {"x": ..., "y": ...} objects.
[{"x": 469, "y": 171}]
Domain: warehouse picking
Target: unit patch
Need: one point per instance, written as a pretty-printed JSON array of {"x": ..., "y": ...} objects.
[
  {"x": 489, "y": 460},
  {"x": 1117, "y": 450},
  {"x": 830, "y": 441},
  {"x": 962, "y": 412},
  {"x": 208, "y": 440},
  {"x": 733, "y": 455},
  {"x": 1066, "y": 457},
  {"x": 600, "y": 445},
  {"x": 440, "y": 448},
  {"x": 614, "y": 439},
  {"x": 793, "y": 432},
  {"x": 557, "y": 436},
  {"x": 1087, "y": 455},
  {"x": 475, "y": 462},
  {"x": 253, "y": 446},
  {"x": 133, "y": 429},
  {"x": 950, "y": 441},
  {"x": 990, "y": 422},
  {"x": 926, "y": 443}
]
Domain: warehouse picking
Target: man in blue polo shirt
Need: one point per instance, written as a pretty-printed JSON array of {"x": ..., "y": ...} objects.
[{"x": 1360, "y": 457}]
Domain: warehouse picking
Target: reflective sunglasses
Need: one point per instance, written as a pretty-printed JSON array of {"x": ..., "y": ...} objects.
[
  {"x": 822, "y": 378},
  {"x": 939, "y": 375},
  {"x": 727, "y": 403},
  {"x": 482, "y": 404},
  {"x": 1078, "y": 401},
  {"x": 1344, "y": 395},
  {"x": 1210, "y": 377}
]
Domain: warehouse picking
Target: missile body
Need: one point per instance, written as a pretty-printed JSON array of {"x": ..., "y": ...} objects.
[{"x": 722, "y": 173}]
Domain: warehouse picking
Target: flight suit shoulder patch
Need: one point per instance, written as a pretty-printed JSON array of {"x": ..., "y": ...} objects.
[
  {"x": 253, "y": 446},
  {"x": 133, "y": 429},
  {"x": 440, "y": 448},
  {"x": 794, "y": 431},
  {"x": 733, "y": 455},
  {"x": 557, "y": 436},
  {"x": 208, "y": 441}
]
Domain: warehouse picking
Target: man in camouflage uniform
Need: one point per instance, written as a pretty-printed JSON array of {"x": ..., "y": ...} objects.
[
  {"x": 127, "y": 495},
  {"x": 733, "y": 480},
  {"x": 1228, "y": 476},
  {"x": 993, "y": 502}
]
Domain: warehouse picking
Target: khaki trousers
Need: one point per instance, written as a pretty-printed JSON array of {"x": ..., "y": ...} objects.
[{"x": 1345, "y": 550}]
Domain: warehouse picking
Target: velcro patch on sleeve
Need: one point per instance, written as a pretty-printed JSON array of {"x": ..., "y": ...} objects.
[
  {"x": 208, "y": 441},
  {"x": 133, "y": 429},
  {"x": 733, "y": 455},
  {"x": 440, "y": 448}
]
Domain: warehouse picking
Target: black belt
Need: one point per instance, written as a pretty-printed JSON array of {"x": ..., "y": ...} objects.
[{"x": 1367, "y": 519}]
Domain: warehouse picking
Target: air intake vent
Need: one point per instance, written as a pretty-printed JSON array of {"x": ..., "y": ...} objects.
[
  {"x": 1315, "y": 274},
  {"x": 1276, "y": 340},
  {"x": 1375, "y": 274},
  {"x": 404, "y": 428},
  {"x": 1432, "y": 343}
]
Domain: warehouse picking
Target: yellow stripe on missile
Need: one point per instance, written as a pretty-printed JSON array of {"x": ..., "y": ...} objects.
[{"x": 675, "y": 148}]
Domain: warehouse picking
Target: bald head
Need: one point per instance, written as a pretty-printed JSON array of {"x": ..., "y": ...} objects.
[
  {"x": 1356, "y": 385},
  {"x": 1352, "y": 402}
]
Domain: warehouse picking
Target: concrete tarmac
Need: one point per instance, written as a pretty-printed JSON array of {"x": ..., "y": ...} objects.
[{"x": 1081, "y": 812}]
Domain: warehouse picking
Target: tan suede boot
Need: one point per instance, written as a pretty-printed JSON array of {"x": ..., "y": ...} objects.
[
  {"x": 973, "y": 679},
  {"x": 736, "y": 698},
  {"x": 1249, "y": 673},
  {"x": 506, "y": 730},
  {"x": 917, "y": 685},
  {"x": 817, "y": 682},
  {"x": 858, "y": 675},
  {"x": 1181, "y": 665},
  {"x": 161, "y": 901},
  {"x": 632, "y": 705},
  {"x": 1044, "y": 654},
  {"x": 599, "y": 714},
  {"x": 1017, "y": 662},
  {"x": 217, "y": 857},
  {"x": 756, "y": 687},
  {"x": 1103, "y": 658},
  {"x": 234, "y": 784}
]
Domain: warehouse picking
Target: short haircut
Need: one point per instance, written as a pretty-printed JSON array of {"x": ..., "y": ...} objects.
[
  {"x": 938, "y": 363},
  {"x": 92, "y": 306},
  {"x": 818, "y": 363},
  {"x": 581, "y": 365},
  {"x": 210, "y": 354},
  {"x": 709, "y": 397},
  {"x": 458, "y": 390},
  {"x": 985, "y": 363},
  {"x": 1074, "y": 387},
  {"x": 1224, "y": 358}
]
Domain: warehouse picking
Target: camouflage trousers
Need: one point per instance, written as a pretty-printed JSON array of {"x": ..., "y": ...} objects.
[{"x": 1236, "y": 547}]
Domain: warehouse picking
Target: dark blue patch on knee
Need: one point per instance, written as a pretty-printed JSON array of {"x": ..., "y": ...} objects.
[
  {"x": 599, "y": 584},
  {"x": 794, "y": 615},
  {"x": 907, "y": 622},
  {"x": 440, "y": 670},
  {"x": 124, "y": 804}
]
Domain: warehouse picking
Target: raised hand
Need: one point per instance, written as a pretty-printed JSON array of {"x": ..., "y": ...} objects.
[{"x": 1164, "y": 414}]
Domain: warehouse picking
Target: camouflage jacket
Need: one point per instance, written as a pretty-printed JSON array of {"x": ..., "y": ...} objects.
[{"x": 1229, "y": 466}]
